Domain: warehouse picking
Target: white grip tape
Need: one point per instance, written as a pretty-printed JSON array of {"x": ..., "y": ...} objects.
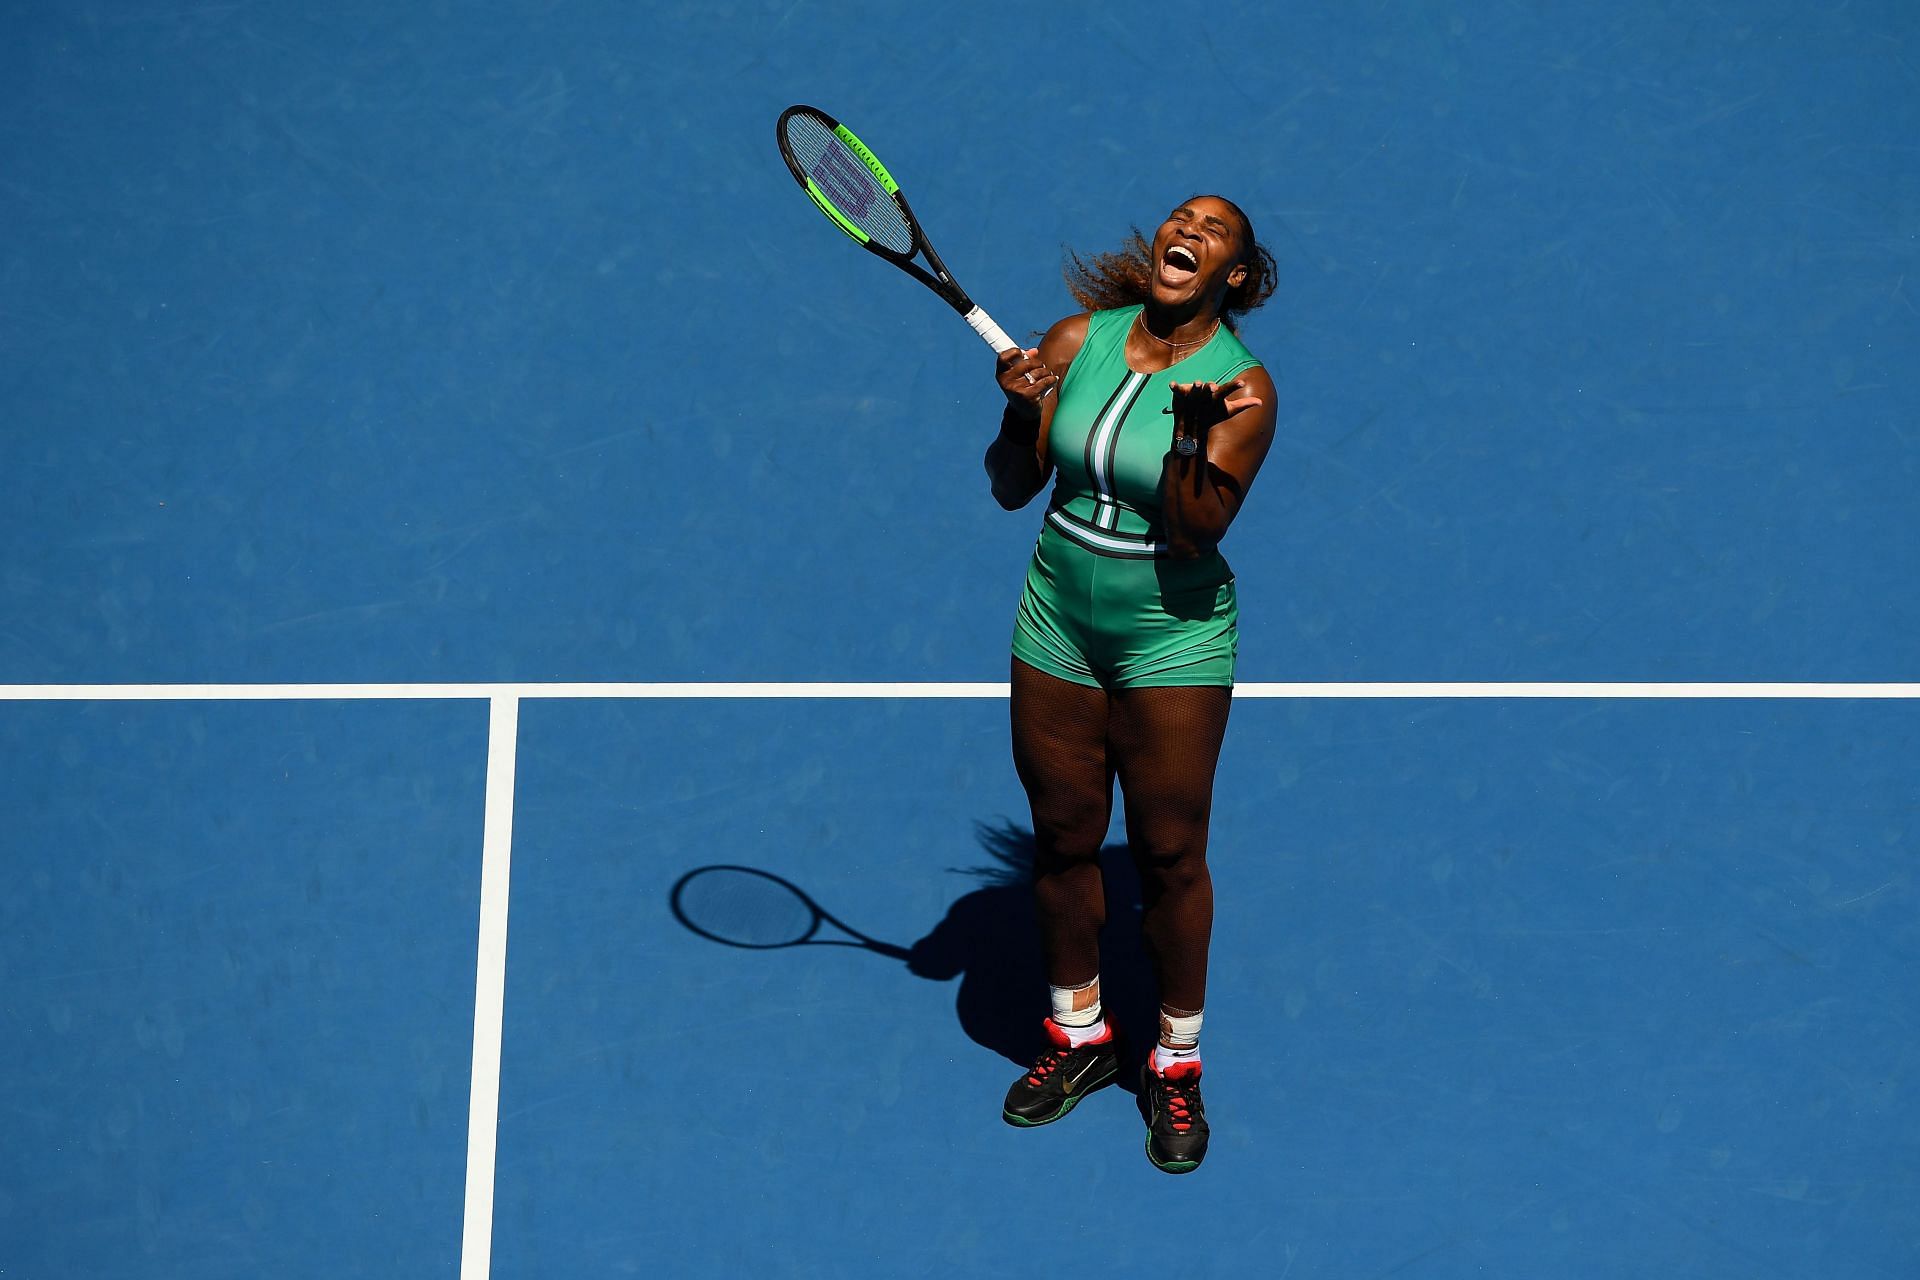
[{"x": 992, "y": 333}]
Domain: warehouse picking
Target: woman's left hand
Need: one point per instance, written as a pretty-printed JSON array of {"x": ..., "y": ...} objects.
[{"x": 1199, "y": 407}]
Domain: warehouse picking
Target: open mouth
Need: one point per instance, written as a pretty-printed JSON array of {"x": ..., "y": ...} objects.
[{"x": 1178, "y": 264}]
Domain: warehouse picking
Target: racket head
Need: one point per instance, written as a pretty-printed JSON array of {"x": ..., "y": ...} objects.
[
  {"x": 847, "y": 182},
  {"x": 744, "y": 907}
]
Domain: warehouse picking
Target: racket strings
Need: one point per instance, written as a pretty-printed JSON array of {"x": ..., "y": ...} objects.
[{"x": 844, "y": 180}]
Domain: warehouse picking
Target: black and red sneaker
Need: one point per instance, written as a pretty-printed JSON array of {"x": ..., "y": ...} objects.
[
  {"x": 1176, "y": 1118},
  {"x": 1061, "y": 1077}
]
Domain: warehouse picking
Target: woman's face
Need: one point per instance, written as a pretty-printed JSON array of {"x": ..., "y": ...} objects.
[{"x": 1196, "y": 253}]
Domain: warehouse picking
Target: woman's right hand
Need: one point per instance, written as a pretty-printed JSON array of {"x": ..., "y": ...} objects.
[{"x": 1025, "y": 379}]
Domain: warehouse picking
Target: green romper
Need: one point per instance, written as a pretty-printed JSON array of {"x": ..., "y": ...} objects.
[{"x": 1104, "y": 604}]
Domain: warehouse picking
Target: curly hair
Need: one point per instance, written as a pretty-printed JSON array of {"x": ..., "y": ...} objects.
[{"x": 1124, "y": 277}]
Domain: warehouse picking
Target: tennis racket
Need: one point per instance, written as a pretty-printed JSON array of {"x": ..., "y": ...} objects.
[
  {"x": 851, "y": 186},
  {"x": 758, "y": 910}
]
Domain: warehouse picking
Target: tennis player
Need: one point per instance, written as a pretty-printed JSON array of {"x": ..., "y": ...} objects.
[{"x": 1152, "y": 419}]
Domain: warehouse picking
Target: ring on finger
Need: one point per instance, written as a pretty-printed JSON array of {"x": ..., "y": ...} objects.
[{"x": 1028, "y": 377}]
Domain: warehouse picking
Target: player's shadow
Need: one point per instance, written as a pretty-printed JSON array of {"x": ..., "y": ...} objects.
[{"x": 990, "y": 940}]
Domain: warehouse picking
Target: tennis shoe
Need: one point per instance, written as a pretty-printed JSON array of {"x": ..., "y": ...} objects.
[
  {"x": 1062, "y": 1076},
  {"x": 1176, "y": 1118}
]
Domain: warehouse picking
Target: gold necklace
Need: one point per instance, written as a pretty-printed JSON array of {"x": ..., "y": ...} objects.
[{"x": 1140, "y": 322}]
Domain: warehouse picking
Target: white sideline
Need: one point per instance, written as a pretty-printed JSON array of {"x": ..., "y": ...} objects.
[
  {"x": 895, "y": 689},
  {"x": 490, "y": 990}
]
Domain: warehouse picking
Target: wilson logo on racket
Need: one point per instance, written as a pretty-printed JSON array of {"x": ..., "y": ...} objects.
[{"x": 841, "y": 183}]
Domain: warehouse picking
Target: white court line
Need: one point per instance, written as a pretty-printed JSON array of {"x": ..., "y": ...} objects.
[
  {"x": 884, "y": 689},
  {"x": 490, "y": 989}
]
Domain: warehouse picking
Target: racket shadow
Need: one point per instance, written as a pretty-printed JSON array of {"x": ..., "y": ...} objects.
[{"x": 988, "y": 939}]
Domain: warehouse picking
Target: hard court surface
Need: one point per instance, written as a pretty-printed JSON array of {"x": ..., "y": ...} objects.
[{"x": 486, "y": 354}]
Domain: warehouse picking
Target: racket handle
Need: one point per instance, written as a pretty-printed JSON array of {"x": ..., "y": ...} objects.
[{"x": 990, "y": 333}]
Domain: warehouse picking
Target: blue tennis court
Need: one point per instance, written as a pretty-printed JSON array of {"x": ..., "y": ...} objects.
[{"x": 458, "y": 488}]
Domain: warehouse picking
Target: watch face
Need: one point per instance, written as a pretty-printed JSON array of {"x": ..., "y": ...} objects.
[{"x": 1186, "y": 446}]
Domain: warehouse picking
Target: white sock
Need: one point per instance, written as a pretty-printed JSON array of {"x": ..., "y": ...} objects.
[
  {"x": 1076, "y": 1011},
  {"x": 1179, "y": 1038}
]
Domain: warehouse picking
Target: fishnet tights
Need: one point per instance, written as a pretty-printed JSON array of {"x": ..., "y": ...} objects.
[{"x": 1070, "y": 743}]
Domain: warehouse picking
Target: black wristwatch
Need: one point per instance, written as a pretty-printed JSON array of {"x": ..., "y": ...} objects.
[{"x": 1186, "y": 446}]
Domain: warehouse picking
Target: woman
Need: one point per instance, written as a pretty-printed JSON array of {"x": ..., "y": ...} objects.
[{"x": 1124, "y": 645}]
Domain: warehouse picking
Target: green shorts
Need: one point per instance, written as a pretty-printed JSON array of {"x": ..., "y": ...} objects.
[{"x": 1117, "y": 623}]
